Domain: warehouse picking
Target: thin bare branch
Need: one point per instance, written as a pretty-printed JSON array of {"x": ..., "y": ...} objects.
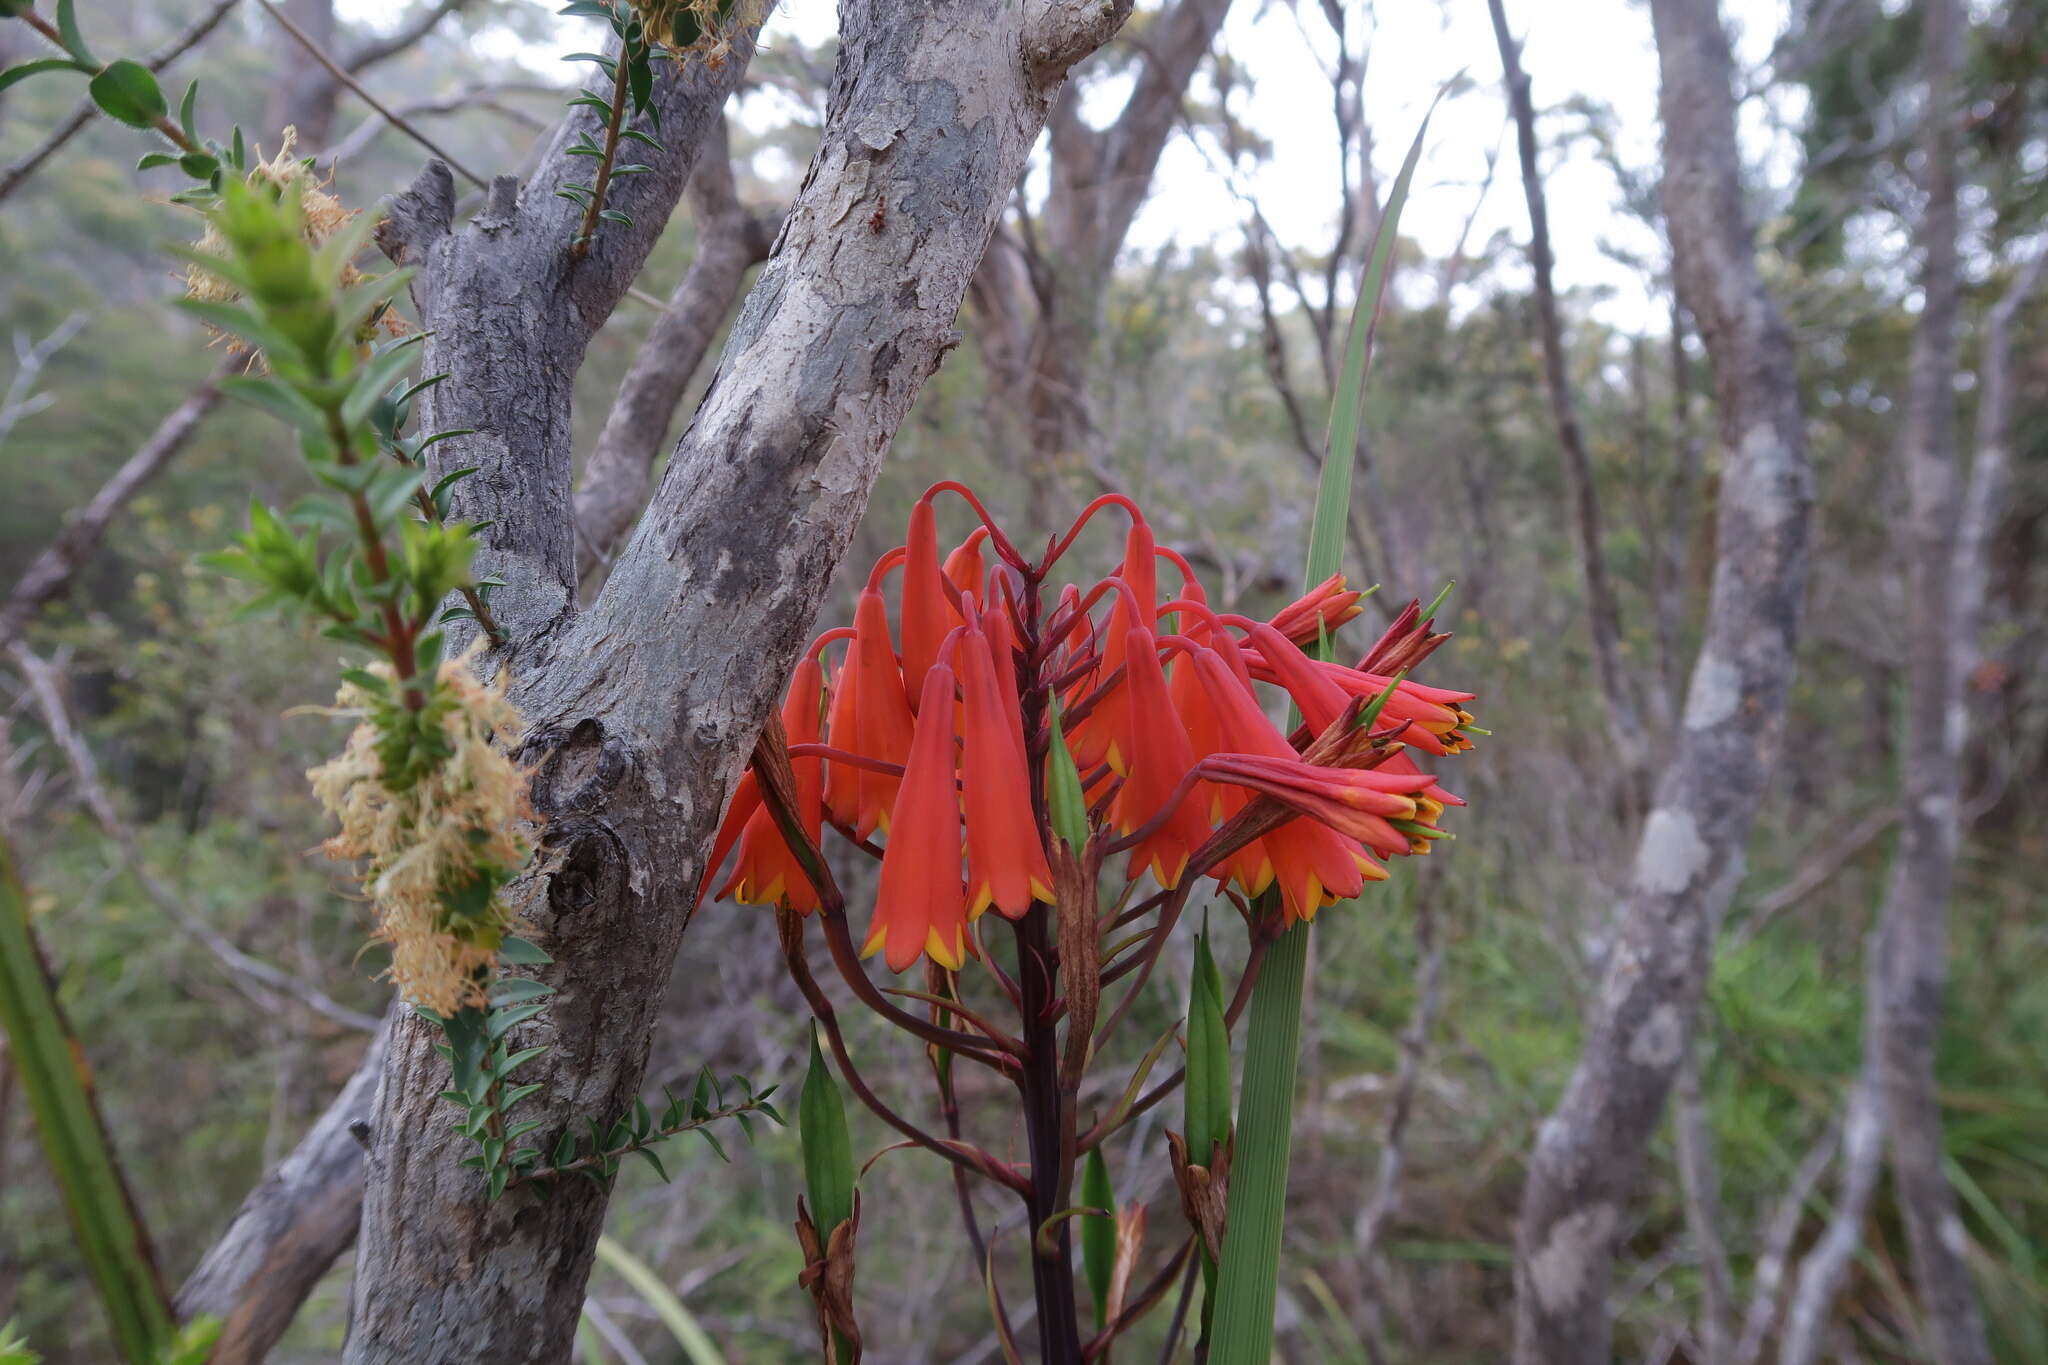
[
  {"x": 53, "y": 568},
  {"x": 269, "y": 987}
]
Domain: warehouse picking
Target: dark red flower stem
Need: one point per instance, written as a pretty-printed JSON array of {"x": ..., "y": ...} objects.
[
  {"x": 1052, "y": 1277},
  {"x": 1061, "y": 546},
  {"x": 839, "y": 939},
  {"x": 963, "y": 1155}
]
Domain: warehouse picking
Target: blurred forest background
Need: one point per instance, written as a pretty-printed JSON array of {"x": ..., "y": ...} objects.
[{"x": 152, "y": 756}]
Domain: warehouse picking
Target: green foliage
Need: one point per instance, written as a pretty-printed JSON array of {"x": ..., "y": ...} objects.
[
  {"x": 54, "y": 1074},
  {"x": 632, "y": 77},
  {"x": 1098, "y": 1231},
  {"x": 827, "y": 1151},
  {"x": 1247, "y": 1283}
]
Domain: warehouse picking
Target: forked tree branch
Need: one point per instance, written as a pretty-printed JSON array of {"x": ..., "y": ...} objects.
[{"x": 644, "y": 707}]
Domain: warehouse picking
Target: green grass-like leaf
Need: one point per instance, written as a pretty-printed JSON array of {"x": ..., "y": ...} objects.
[{"x": 1248, "y": 1280}]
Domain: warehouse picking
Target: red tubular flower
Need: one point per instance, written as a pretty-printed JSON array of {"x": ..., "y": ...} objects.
[
  {"x": 1433, "y": 712},
  {"x": 842, "y": 780},
  {"x": 883, "y": 724},
  {"x": 1002, "y": 652},
  {"x": 1312, "y": 862},
  {"x": 1162, "y": 711},
  {"x": 1105, "y": 736},
  {"x": 963, "y": 566},
  {"x": 767, "y": 871},
  {"x": 1006, "y": 864},
  {"x": 1315, "y": 866},
  {"x": 1355, "y": 803},
  {"x": 927, "y": 615},
  {"x": 1159, "y": 757},
  {"x": 1318, "y": 612},
  {"x": 746, "y": 800},
  {"x": 1321, "y": 700},
  {"x": 920, "y": 907}
]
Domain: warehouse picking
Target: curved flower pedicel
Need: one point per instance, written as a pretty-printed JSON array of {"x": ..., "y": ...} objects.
[{"x": 1080, "y": 757}]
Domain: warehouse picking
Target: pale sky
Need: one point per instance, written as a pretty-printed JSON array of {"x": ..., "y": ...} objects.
[{"x": 1596, "y": 48}]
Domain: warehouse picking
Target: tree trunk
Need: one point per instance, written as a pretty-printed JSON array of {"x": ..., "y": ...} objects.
[
  {"x": 291, "y": 1228},
  {"x": 644, "y": 708},
  {"x": 1046, "y": 311},
  {"x": 1589, "y": 1153},
  {"x": 1913, "y": 941},
  {"x": 730, "y": 241}
]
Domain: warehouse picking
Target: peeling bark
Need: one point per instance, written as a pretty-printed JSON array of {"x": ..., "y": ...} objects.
[
  {"x": 1589, "y": 1153},
  {"x": 644, "y": 708}
]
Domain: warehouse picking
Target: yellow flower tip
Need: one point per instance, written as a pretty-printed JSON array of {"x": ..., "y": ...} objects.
[{"x": 949, "y": 955}]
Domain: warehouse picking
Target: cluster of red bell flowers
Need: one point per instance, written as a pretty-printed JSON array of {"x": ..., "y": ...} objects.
[{"x": 937, "y": 738}]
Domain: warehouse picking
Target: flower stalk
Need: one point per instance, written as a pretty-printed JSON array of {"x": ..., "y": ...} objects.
[{"x": 1078, "y": 760}]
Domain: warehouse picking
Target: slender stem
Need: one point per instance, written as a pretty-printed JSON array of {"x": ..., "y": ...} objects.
[
  {"x": 398, "y": 635},
  {"x": 470, "y": 595},
  {"x": 1180, "y": 1312},
  {"x": 341, "y": 74},
  {"x": 596, "y": 1160},
  {"x": 621, "y": 70},
  {"x": 171, "y": 131},
  {"x": 1147, "y": 1298},
  {"x": 961, "y": 1154},
  {"x": 968, "y": 1045},
  {"x": 1052, "y": 1277},
  {"x": 1102, "y": 1131},
  {"x": 1169, "y": 916}
]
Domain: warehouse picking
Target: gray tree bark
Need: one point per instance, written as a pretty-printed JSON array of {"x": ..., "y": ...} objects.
[
  {"x": 730, "y": 241},
  {"x": 291, "y": 1228},
  {"x": 1912, "y": 941},
  {"x": 1589, "y": 1153},
  {"x": 644, "y": 708}
]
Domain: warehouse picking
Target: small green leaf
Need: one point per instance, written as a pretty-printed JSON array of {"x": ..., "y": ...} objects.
[
  {"x": 828, "y": 1152},
  {"x": 67, "y": 29},
  {"x": 1098, "y": 1232},
  {"x": 514, "y": 989},
  {"x": 1206, "y": 1095},
  {"x": 15, "y": 74},
  {"x": 1064, "y": 800},
  {"x": 504, "y": 1021},
  {"x": 519, "y": 951},
  {"x": 125, "y": 91}
]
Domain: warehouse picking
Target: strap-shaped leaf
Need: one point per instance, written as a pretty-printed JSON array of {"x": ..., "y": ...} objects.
[{"x": 1248, "y": 1280}]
